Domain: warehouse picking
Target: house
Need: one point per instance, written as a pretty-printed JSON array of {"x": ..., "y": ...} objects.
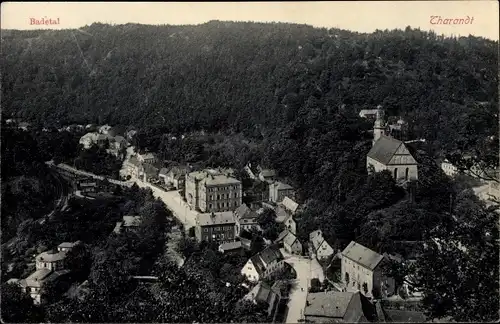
[
  {"x": 245, "y": 238},
  {"x": 175, "y": 176},
  {"x": 267, "y": 175},
  {"x": 339, "y": 307},
  {"x": 212, "y": 191},
  {"x": 35, "y": 283},
  {"x": 263, "y": 264},
  {"x": 263, "y": 293},
  {"x": 291, "y": 244},
  {"x": 390, "y": 154},
  {"x": 50, "y": 260},
  {"x": 231, "y": 247},
  {"x": 361, "y": 270},
  {"x": 290, "y": 205},
  {"x": 147, "y": 158},
  {"x": 246, "y": 219},
  {"x": 279, "y": 190},
  {"x": 320, "y": 247},
  {"x": 129, "y": 224},
  {"x": 67, "y": 246},
  {"x": 24, "y": 126},
  {"x": 148, "y": 172},
  {"x": 215, "y": 227},
  {"x": 133, "y": 167},
  {"x": 87, "y": 185},
  {"x": 104, "y": 129},
  {"x": 368, "y": 113},
  {"x": 448, "y": 168}
]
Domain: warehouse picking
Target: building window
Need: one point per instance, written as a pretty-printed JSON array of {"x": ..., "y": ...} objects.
[
  {"x": 218, "y": 197},
  {"x": 205, "y": 230},
  {"x": 395, "y": 173},
  {"x": 407, "y": 171},
  {"x": 235, "y": 195},
  {"x": 210, "y": 206}
]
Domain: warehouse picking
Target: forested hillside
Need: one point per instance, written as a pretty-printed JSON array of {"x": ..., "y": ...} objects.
[{"x": 250, "y": 76}]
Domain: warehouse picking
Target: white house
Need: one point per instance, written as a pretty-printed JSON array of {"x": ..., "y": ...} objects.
[
  {"x": 263, "y": 264},
  {"x": 320, "y": 247},
  {"x": 291, "y": 244},
  {"x": 246, "y": 219}
]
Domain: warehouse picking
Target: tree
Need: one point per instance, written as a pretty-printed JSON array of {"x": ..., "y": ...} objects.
[{"x": 18, "y": 307}]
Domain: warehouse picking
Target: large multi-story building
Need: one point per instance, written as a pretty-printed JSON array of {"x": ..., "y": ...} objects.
[
  {"x": 362, "y": 270},
  {"x": 212, "y": 191},
  {"x": 215, "y": 227}
]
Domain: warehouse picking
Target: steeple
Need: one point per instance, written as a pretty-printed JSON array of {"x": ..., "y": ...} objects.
[{"x": 379, "y": 126}]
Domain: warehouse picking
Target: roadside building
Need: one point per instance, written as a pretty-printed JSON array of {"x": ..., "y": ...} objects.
[
  {"x": 215, "y": 227},
  {"x": 263, "y": 264},
  {"x": 147, "y": 158},
  {"x": 133, "y": 167},
  {"x": 128, "y": 224},
  {"x": 267, "y": 175},
  {"x": 339, "y": 307},
  {"x": 175, "y": 176},
  {"x": 246, "y": 219},
  {"x": 263, "y": 293},
  {"x": 320, "y": 247},
  {"x": 212, "y": 191},
  {"x": 291, "y": 244},
  {"x": 361, "y": 270}
]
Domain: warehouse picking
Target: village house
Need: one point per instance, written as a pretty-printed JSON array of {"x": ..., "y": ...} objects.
[
  {"x": 212, "y": 191},
  {"x": 49, "y": 267},
  {"x": 231, "y": 247},
  {"x": 263, "y": 293},
  {"x": 266, "y": 175},
  {"x": 263, "y": 264},
  {"x": 104, "y": 129},
  {"x": 133, "y": 167},
  {"x": 339, "y": 307},
  {"x": 290, "y": 242},
  {"x": 390, "y": 154},
  {"x": 215, "y": 227},
  {"x": 175, "y": 176},
  {"x": 279, "y": 190},
  {"x": 147, "y": 158},
  {"x": 361, "y": 270},
  {"x": 319, "y": 246},
  {"x": 129, "y": 224},
  {"x": 246, "y": 219}
]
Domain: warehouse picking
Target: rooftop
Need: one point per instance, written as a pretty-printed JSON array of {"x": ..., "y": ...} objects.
[
  {"x": 384, "y": 149},
  {"x": 230, "y": 246},
  {"x": 69, "y": 244},
  {"x": 207, "y": 219},
  {"x": 50, "y": 256},
  {"x": 147, "y": 156},
  {"x": 37, "y": 278},
  {"x": 362, "y": 255},
  {"x": 243, "y": 211},
  {"x": 290, "y": 205},
  {"x": 328, "y": 304},
  {"x": 289, "y": 239},
  {"x": 281, "y": 186},
  {"x": 268, "y": 173}
]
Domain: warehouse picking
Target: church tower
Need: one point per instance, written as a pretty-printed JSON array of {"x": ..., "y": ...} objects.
[{"x": 379, "y": 126}]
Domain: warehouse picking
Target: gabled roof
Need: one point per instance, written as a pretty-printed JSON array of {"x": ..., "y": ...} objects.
[
  {"x": 362, "y": 255},
  {"x": 265, "y": 257},
  {"x": 150, "y": 169},
  {"x": 134, "y": 161},
  {"x": 384, "y": 149},
  {"x": 290, "y": 205},
  {"x": 282, "y": 236},
  {"x": 281, "y": 214},
  {"x": 289, "y": 239},
  {"x": 346, "y": 307},
  {"x": 163, "y": 171},
  {"x": 37, "y": 278},
  {"x": 267, "y": 173},
  {"x": 244, "y": 212},
  {"x": 69, "y": 244},
  {"x": 281, "y": 186}
]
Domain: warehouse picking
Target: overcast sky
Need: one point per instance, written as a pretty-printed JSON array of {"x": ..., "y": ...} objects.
[{"x": 353, "y": 15}]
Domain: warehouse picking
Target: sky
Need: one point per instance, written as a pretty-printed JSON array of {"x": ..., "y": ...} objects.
[{"x": 361, "y": 16}]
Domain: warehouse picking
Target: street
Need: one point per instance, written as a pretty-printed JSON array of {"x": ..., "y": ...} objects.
[{"x": 306, "y": 270}]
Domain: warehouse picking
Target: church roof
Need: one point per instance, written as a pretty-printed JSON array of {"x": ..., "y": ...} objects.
[{"x": 384, "y": 149}]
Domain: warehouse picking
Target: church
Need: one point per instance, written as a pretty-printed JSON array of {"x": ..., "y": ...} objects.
[{"x": 388, "y": 153}]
